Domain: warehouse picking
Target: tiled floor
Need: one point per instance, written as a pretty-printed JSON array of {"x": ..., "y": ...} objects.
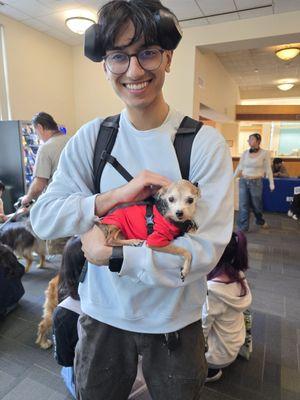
[{"x": 273, "y": 373}]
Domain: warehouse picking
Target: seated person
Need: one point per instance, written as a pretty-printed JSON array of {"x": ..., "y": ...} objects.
[
  {"x": 278, "y": 169},
  {"x": 222, "y": 314},
  {"x": 2, "y": 215},
  {"x": 11, "y": 288},
  {"x": 67, "y": 312}
]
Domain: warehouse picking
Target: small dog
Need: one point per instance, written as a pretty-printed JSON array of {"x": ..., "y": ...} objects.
[
  {"x": 173, "y": 212},
  {"x": 20, "y": 238}
]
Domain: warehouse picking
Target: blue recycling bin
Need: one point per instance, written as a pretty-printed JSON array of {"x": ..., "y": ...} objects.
[{"x": 279, "y": 200}]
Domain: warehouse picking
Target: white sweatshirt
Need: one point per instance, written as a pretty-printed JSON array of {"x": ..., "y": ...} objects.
[
  {"x": 223, "y": 321},
  {"x": 148, "y": 295},
  {"x": 256, "y": 166}
]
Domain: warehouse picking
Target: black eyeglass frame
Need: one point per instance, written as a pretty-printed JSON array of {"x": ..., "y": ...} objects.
[{"x": 136, "y": 55}]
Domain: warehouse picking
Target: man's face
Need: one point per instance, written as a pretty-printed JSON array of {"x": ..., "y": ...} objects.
[
  {"x": 137, "y": 87},
  {"x": 253, "y": 142}
]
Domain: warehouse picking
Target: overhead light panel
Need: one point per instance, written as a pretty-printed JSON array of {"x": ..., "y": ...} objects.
[
  {"x": 288, "y": 53},
  {"x": 286, "y": 86},
  {"x": 79, "y": 24}
]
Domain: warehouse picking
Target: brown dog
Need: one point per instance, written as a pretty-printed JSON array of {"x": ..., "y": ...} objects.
[
  {"x": 20, "y": 238},
  {"x": 51, "y": 301},
  {"x": 175, "y": 203}
]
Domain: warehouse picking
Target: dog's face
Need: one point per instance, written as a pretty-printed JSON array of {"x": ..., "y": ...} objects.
[{"x": 178, "y": 201}]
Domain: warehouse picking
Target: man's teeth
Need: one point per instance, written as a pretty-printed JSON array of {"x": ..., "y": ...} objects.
[{"x": 136, "y": 86}]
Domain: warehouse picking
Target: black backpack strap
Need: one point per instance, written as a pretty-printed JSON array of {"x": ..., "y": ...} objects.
[
  {"x": 149, "y": 218},
  {"x": 105, "y": 142},
  {"x": 183, "y": 143}
]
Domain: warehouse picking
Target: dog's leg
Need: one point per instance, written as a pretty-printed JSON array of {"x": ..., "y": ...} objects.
[
  {"x": 114, "y": 236},
  {"x": 180, "y": 251},
  {"x": 29, "y": 261},
  {"x": 42, "y": 261}
]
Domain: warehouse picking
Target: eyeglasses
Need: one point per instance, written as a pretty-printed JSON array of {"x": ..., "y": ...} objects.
[{"x": 149, "y": 60}]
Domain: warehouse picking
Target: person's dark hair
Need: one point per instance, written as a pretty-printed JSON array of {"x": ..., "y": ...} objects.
[
  {"x": 257, "y": 136},
  {"x": 9, "y": 263},
  {"x": 233, "y": 261},
  {"x": 72, "y": 263},
  {"x": 2, "y": 186},
  {"x": 277, "y": 160},
  {"x": 46, "y": 120},
  {"x": 114, "y": 15}
]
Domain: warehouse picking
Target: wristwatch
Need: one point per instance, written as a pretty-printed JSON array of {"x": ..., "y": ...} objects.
[{"x": 116, "y": 259}]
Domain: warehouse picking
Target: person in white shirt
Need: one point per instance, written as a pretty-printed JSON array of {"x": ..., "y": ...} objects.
[
  {"x": 222, "y": 314},
  {"x": 135, "y": 310},
  {"x": 254, "y": 164}
]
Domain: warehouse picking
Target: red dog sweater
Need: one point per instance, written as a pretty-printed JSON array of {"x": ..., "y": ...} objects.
[{"x": 132, "y": 222}]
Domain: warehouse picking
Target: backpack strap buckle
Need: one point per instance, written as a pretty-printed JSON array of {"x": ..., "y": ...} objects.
[{"x": 149, "y": 218}]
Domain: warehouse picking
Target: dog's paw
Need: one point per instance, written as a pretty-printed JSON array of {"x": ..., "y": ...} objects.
[
  {"x": 45, "y": 344},
  {"x": 136, "y": 242}
]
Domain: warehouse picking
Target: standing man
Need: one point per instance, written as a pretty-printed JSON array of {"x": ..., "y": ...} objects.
[
  {"x": 47, "y": 156},
  {"x": 134, "y": 302}
]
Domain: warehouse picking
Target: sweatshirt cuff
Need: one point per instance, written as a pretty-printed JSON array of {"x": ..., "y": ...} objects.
[{"x": 130, "y": 266}]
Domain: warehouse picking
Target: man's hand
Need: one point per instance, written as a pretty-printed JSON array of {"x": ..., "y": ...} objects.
[
  {"x": 94, "y": 247},
  {"x": 25, "y": 200},
  {"x": 145, "y": 184}
]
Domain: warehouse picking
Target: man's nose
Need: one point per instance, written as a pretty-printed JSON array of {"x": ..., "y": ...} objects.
[{"x": 134, "y": 68}]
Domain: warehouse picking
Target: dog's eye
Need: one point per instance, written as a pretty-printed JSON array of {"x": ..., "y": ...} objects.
[
  {"x": 171, "y": 199},
  {"x": 190, "y": 200}
]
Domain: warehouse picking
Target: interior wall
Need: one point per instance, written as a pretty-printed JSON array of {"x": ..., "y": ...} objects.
[
  {"x": 218, "y": 91},
  {"x": 39, "y": 74},
  {"x": 94, "y": 96}
]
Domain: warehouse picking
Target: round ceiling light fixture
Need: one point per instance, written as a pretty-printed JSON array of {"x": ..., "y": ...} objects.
[
  {"x": 287, "y": 53},
  {"x": 79, "y": 24},
  {"x": 286, "y": 86}
]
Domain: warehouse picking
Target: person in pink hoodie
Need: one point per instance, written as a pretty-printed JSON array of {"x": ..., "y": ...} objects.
[{"x": 222, "y": 314}]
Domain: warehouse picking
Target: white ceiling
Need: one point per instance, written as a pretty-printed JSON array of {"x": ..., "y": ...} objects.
[
  {"x": 252, "y": 69},
  {"x": 49, "y": 15},
  {"x": 258, "y": 69}
]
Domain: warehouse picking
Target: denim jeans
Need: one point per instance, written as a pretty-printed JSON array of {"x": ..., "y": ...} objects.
[
  {"x": 106, "y": 361},
  {"x": 250, "y": 197}
]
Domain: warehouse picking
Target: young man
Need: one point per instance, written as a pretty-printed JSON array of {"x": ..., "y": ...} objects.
[{"x": 145, "y": 309}]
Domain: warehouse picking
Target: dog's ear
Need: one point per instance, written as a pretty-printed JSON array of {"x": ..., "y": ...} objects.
[
  {"x": 159, "y": 194},
  {"x": 197, "y": 190}
]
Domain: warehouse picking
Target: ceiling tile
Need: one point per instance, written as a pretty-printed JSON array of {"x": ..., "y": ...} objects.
[
  {"x": 256, "y": 13},
  {"x": 57, "y": 5},
  {"x": 286, "y": 5},
  {"x": 36, "y": 24},
  {"x": 32, "y": 8},
  {"x": 223, "y": 18},
  {"x": 183, "y": 9},
  {"x": 192, "y": 23},
  {"x": 13, "y": 12},
  {"x": 242, "y": 4},
  {"x": 216, "y": 7}
]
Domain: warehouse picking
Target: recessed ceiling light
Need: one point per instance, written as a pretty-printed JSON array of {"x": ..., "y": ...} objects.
[
  {"x": 286, "y": 86},
  {"x": 79, "y": 24},
  {"x": 288, "y": 53}
]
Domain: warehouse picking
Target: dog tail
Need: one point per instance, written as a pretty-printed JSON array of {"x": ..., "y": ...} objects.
[{"x": 51, "y": 301}]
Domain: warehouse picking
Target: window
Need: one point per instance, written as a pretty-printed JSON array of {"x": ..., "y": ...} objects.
[{"x": 5, "y": 112}]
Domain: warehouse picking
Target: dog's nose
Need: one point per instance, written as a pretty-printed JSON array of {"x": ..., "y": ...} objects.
[{"x": 179, "y": 213}]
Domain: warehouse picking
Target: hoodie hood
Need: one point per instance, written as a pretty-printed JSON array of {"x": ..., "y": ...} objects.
[{"x": 229, "y": 293}]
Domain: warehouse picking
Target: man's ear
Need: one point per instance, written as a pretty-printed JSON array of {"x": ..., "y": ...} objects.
[
  {"x": 105, "y": 71},
  {"x": 169, "y": 55}
]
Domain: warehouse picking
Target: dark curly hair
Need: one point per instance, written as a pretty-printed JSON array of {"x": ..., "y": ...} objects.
[
  {"x": 9, "y": 263},
  {"x": 233, "y": 260}
]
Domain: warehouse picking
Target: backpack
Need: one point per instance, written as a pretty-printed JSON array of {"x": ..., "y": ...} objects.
[{"x": 107, "y": 136}]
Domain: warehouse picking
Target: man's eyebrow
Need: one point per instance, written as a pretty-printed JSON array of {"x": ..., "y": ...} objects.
[{"x": 122, "y": 48}]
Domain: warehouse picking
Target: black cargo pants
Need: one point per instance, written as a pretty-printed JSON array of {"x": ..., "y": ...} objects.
[{"x": 106, "y": 361}]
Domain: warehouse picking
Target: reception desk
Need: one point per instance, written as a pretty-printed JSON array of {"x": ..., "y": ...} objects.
[{"x": 279, "y": 199}]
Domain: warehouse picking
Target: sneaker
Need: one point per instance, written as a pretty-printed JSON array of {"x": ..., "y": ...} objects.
[
  {"x": 289, "y": 213},
  {"x": 213, "y": 375},
  {"x": 265, "y": 226},
  {"x": 295, "y": 217}
]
